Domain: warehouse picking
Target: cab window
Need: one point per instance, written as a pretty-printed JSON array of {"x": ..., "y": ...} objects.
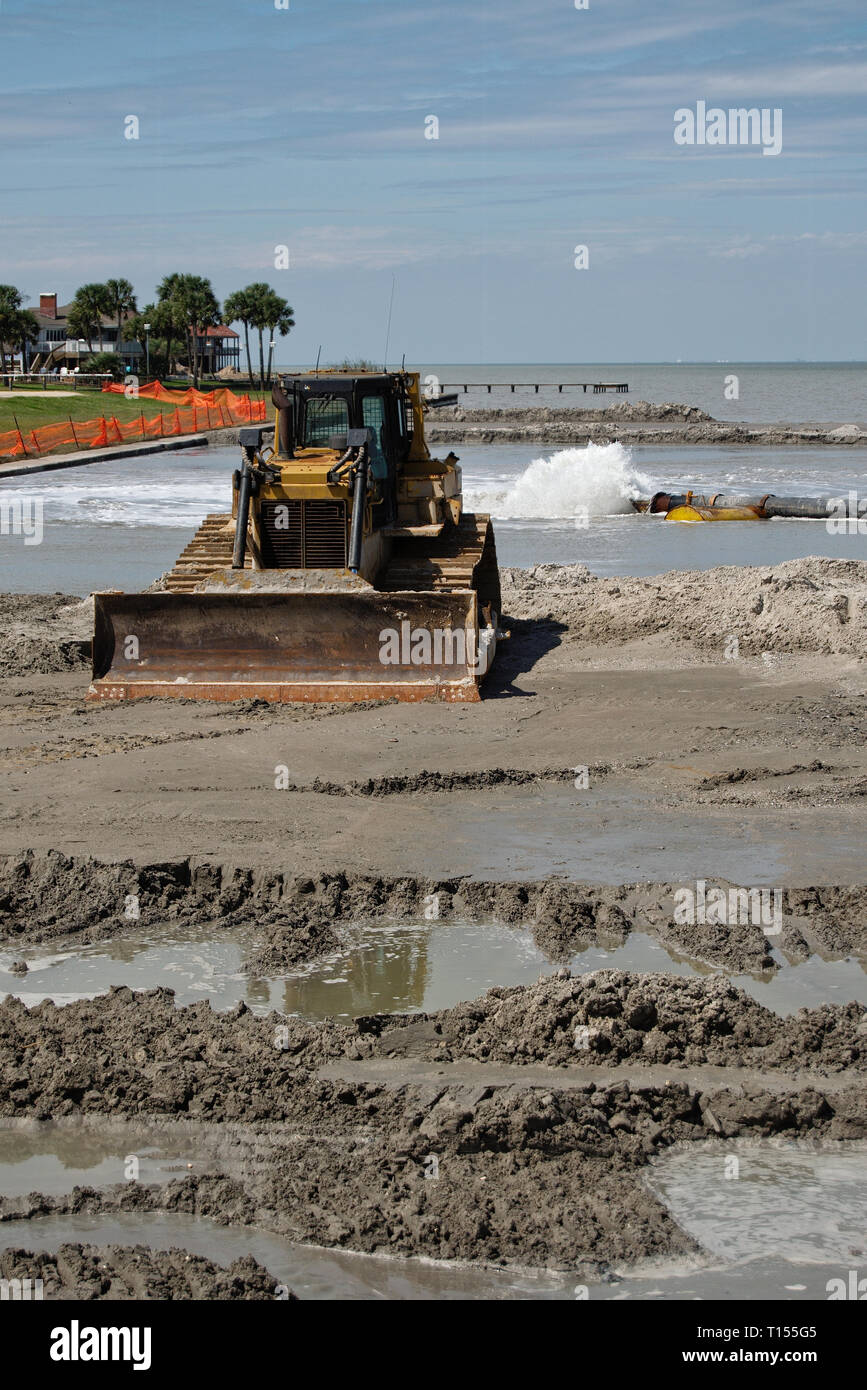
[
  {"x": 326, "y": 415},
  {"x": 373, "y": 415}
]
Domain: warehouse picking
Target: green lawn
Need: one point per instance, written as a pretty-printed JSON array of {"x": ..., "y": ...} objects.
[{"x": 32, "y": 411}]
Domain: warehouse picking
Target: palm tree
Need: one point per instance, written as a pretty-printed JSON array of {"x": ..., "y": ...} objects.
[
  {"x": 258, "y": 296},
  {"x": 80, "y": 325},
  {"x": 120, "y": 295},
  {"x": 11, "y": 303},
  {"x": 89, "y": 303},
  {"x": 279, "y": 319},
  {"x": 238, "y": 308},
  {"x": 167, "y": 320},
  {"x": 169, "y": 305},
  {"x": 27, "y": 333},
  {"x": 192, "y": 301}
]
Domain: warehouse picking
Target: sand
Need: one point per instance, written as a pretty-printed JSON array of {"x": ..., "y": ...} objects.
[{"x": 742, "y": 766}]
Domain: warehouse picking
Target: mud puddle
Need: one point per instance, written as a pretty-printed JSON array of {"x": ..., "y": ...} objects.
[
  {"x": 53, "y": 1159},
  {"x": 398, "y": 968},
  {"x": 789, "y": 1223},
  {"x": 808, "y": 984},
  {"x": 192, "y": 960},
  {"x": 311, "y": 1272},
  {"x": 747, "y": 1202},
  {"x": 383, "y": 969}
]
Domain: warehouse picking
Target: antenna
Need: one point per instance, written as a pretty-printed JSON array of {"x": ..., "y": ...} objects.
[
  {"x": 403, "y": 363},
  {"x": 388, "y": 329},
  {"x": 318, "y": 355}
]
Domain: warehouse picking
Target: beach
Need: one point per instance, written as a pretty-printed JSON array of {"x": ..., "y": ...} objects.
[{"x": 625, "y": 754}]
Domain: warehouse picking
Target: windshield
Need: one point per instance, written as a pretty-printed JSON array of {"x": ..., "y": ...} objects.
[{"x": 324, "y": 416}]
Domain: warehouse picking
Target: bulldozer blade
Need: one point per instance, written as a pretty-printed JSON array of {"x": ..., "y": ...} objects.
[{"x": 289, "y": 646}]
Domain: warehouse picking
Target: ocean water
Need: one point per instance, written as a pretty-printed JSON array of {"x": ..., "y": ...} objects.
[
  {"x": 794, "y": 391},
  {"x": 121, "y": 523}
]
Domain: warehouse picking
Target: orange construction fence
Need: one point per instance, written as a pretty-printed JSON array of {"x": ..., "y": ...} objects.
[{"x": 194, "y": 411}]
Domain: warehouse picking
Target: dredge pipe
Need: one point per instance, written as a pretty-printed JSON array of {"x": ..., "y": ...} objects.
[{"x": 810, "y": 508}]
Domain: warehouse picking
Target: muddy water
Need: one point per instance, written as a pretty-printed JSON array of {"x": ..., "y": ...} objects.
[
  {"x": 787, "y": 1224},
  {"x": 311, "y": 1272},
  {"x": 53, "y": 1159},
  {"x": 384, "y": 969},
  {"x": 751, "y": 1201}
]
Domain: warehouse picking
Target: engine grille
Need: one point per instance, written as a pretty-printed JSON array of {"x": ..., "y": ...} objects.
[{"x": 303, "y": 535}]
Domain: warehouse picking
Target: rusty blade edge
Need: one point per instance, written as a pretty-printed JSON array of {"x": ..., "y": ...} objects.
[{"x": 466, "y": 690}]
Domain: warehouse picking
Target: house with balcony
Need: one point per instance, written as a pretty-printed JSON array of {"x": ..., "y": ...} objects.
[
  {"x": 55, "y": 348},
  {"x": 219, "y": 347}
]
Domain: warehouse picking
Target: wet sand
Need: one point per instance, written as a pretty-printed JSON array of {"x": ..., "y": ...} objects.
[{"x": 747, "y": 771}]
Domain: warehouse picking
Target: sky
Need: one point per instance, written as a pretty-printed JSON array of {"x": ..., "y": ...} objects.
[{"x": 306, "y": 127}]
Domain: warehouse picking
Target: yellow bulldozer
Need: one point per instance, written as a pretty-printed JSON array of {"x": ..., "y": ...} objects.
[{"x": 347, "y": 570}]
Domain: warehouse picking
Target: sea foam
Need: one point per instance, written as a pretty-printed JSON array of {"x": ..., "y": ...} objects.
[{"x": 594, "y": 480}]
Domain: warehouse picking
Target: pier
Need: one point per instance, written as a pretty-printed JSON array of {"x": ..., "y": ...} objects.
[{"x": 599, "y": 387}]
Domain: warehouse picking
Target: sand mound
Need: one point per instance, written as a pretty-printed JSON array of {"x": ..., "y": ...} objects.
[
  {"x": 810, "y": 605},
  {"x": 44, "y": 633},
  {"x": 611, "y": 1017}
]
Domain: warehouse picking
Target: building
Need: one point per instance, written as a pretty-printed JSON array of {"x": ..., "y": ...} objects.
[
  {"x": 55, "y": 349},
  {"x": 219, "y": 347}
]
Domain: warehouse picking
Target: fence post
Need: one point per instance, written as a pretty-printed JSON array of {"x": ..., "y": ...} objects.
[
  {"x": 20, "y": 435},
  {"x": 72, "y": 427}
]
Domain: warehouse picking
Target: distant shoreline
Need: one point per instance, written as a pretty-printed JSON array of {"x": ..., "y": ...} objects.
[{"x": 639, "y": 423}]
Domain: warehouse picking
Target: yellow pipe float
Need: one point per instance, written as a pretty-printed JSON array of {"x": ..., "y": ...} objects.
[{"x": 692, "y": 512}]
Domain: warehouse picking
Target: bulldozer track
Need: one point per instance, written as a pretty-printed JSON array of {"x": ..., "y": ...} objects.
[
  {"x": 462, "y": 557},
  {"x": 209, "y": 550}
]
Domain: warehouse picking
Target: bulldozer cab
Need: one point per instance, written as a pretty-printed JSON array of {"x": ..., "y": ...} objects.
[{"x": 321, "y": 412}]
